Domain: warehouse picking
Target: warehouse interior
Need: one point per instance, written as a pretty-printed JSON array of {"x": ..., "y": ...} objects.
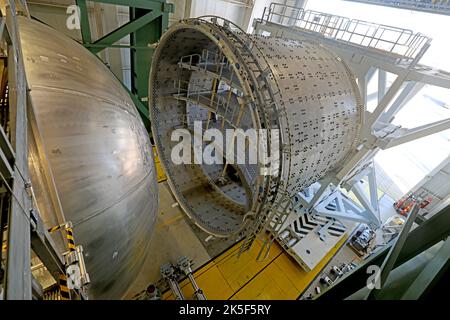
[{"x": 101, "y": 200}]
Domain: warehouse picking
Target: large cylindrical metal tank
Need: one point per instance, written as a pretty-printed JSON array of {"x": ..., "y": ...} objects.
[
  {"x": 99, "y": 153},
  {"x": 208, "y": 70}
]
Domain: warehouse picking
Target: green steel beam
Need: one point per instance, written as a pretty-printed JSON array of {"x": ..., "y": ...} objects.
[
  {"x": 391, "y": 258},
  {"x": 148, "y": 20},
  {"x": 140, "y": 60},
  {"x": 430, "y": 274},
  {"x": 159, "y": 5},
  {"x": 84, "y": 22},
  {"x": 125, "y": 30},
  {"x": 103, "y": 46},
  {"x": 142, "y": 108},
  {"x": 430, "y": 232}
]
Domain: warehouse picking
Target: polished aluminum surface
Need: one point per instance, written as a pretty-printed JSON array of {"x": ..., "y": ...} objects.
[
  {"x": 298, "y": 88},
  {"x": 99, "y": 152}
]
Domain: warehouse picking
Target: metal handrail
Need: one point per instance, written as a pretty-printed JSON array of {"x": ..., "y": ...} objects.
[
  {"x": 423, "y": 5},
  {"x": 402, "y": 42}
]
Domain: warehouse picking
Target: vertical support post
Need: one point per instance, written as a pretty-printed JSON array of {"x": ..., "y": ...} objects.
[
  {"x": 63, "y": 288},
  {"x": 382, "y": 75},
  {"x": 70, "y": 239},
  {"x": 430, "y": 274},
  {"x": 373, "y": 188},
  {"x": 247, "y": 16},
  {"x": 140, "y": 39},
  {"x": 324, "y": 184},
  {"x": 18, "y": 261},
  {"x": 84, "y": 21},
  {"x": 363, "y": 79},
  {"x": 187, "y": 9},
  {"x": 141, "y": 60},
  {"x": 393, "y": 254}
]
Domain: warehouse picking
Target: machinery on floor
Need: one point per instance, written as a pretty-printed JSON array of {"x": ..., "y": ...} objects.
[
  {"x": 362, "y": 239},
  {"x": 173, "y": 274}
]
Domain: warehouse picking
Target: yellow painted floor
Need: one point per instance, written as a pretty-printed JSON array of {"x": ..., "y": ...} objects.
[
  {"x": 278, "y": 277},
  {"x": 161, "y": 176},
  {"x": 227, "y": 277}
]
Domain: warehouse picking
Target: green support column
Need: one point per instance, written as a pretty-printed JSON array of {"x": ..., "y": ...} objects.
[
  {"x": 114, "y": 36},
  {"x": 148, "y": 20},
  {"x": 430, "y": 274},
  {"x": 430, "y": 232},
  {"x": 84, "y": 22},
  {"x": 141, "y": 60}
]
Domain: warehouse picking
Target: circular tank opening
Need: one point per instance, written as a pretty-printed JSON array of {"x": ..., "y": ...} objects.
[
  {"x": 195, "y": 88},
  {"x": 207, "y": 75}
]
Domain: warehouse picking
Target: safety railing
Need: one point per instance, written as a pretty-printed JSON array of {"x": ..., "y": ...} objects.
[
  {"x": 403, "y": 43},
  {"x": 208, "y": 61},
  {"x": 206, "y": 98},
  {"x": 434, "y": 6}
]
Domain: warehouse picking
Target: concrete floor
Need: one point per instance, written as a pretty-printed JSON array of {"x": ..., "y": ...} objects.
[
  {"x": 175, "y": 236},
  {"x": 172, "y": 238}
]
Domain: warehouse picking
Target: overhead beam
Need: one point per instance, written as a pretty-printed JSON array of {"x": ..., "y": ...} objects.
[
  {"x": 420, "y": 132},
  {"x": 125, "y": 30},
  {"x": 141, "y": 4},
  {"x": 119, "y": 46}
]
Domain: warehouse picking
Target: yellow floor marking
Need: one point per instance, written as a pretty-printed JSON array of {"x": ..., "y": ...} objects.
[
  {"x": 277, "y": 277},
  {"x": 170, "y": 221}
]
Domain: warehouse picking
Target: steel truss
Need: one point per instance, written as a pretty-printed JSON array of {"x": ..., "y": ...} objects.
[
  {"x": 430, "y": 6},
  {"x": 366, "y": 47},
  {"x": 422, "y": 238}
]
